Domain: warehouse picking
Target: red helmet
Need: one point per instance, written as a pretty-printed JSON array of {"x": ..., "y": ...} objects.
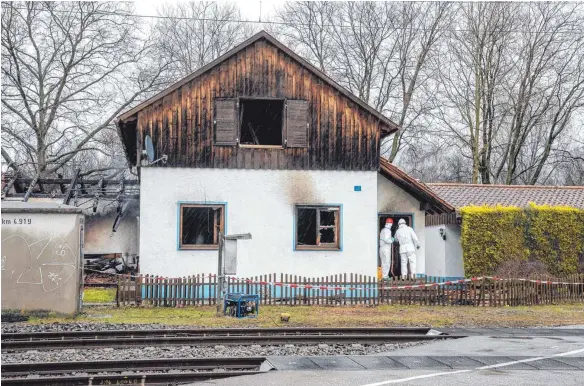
[{"x": 389, "y": 221}]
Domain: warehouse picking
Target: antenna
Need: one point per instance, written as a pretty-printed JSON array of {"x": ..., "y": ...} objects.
[{"x": 149, "y": 152}]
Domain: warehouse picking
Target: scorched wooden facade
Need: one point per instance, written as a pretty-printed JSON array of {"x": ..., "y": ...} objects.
[{"x": 343, "y": 133}]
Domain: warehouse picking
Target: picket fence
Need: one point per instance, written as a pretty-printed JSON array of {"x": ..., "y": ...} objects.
[{"x": 352, "y": 289}]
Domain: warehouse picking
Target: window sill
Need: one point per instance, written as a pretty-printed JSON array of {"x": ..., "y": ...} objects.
[
  {"x": 198, "y": 247},
  {"x": 261, "y": 146},
  {"x": 316, "y": 248}
]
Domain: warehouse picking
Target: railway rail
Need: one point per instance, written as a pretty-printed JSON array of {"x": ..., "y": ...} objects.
[
  {"x": 215, "y": 336},
  {"x": 148, "y": 371}
]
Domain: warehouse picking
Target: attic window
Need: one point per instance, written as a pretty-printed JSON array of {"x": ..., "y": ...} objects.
[
  {"x": 200, "y": 226},
  {"x": 261, "y": 122},
  {"x": 317, "y": 227}
]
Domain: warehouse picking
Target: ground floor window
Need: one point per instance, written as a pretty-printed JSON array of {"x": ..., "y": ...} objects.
[
  {"x": 200, "y": 225},
  {"x": 318, "y": 227}
]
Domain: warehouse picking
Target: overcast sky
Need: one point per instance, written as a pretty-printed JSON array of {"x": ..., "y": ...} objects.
[{"x": 250, "y": 9}]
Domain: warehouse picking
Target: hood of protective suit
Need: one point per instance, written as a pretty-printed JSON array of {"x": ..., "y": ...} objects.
[{"x": 388, "y": 226}]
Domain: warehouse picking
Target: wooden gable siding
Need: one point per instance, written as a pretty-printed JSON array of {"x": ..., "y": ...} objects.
[{"x": 341, "y": 134}]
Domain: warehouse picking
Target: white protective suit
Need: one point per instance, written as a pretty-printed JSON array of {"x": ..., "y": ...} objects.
[
  {"x": 385, "y": 243},
  {"x": 408, "y": 243}
]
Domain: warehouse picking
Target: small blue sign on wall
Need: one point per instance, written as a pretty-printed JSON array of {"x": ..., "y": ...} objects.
[{"x": 357, "y": 188}]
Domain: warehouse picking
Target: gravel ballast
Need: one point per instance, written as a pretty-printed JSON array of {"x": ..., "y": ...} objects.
[
  {"x": 54, "y": 327},
  {"x": 157, "y": 352},
  {"x": 154, "y": 352}
]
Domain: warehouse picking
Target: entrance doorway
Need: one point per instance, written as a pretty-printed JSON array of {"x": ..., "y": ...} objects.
[{"x": 395, "y": 269}]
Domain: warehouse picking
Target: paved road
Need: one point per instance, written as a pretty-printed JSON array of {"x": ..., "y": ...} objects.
[{"x": 487, "y": 356}]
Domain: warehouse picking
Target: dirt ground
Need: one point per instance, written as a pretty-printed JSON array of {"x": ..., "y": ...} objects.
[{"x": 316, "y": 316}]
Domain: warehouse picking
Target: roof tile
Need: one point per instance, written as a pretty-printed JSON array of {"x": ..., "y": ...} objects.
[{"x": 460, "y": 195}]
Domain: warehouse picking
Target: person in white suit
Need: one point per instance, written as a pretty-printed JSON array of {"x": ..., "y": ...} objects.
[
  {"x": 408, "y": 243},
  {"x": 385, "y": 243}
]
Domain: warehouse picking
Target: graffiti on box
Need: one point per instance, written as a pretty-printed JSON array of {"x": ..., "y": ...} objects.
[{"x": 48, "y": 263}]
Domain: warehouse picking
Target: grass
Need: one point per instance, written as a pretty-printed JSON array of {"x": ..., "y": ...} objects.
[
  {"x": 99, "y": 295},
  {"x": 435, "y": 316}
]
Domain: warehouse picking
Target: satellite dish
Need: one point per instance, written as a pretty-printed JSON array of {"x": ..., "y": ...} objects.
[{"x": 149, "y": 148}]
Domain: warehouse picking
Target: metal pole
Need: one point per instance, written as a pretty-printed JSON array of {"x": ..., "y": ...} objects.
[{"x": 219, "y": 292}]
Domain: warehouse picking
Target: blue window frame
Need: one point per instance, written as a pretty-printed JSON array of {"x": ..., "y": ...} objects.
[
  {"x": 318, "y": 227},
  {"x": 199, "y": 225}
]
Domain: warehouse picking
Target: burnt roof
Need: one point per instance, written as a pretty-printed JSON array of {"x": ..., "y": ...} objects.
[
  {"x": 389, "y": 125},
  {"x": 414, "y": 187},
  {"x": 461, "y": 195},
  {"x": 9, "y": 206}
]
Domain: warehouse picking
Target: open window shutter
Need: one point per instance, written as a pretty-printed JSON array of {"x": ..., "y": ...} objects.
[
  {"x": 226, "y": 122},
  {"x": 297, "y": 123}
]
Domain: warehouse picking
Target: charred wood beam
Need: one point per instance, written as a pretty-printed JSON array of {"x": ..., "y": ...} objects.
[
  {"x": 119, "y": 217},
  {"x": 8, "y": 186},
  {"x": 30, "y": 188},
  {"x": 112, "y": 197},
  {"x": 19, "y": 187},
  {"x": 60, "y": 181},
  {"x": 72, "y": 184},
  {"x": 61, "y": 186}
]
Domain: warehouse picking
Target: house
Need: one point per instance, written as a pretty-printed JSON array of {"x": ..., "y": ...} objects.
[
  {"x": 260, "y": 141},
  {"x": 443, "y": 231}
]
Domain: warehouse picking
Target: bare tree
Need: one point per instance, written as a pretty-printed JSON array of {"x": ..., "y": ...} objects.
[
  {"x": 422, "y": 25},
  {"x": 511, "y": 80},
  {"x": 193, "y": 33},
  {"x": 471, "y": 67},
  {"x": 550, "y": 83},
  {"x": 306, "y": 27},
  {"x": 378, "y": 50},
  {"x": 68, "y": 69}
]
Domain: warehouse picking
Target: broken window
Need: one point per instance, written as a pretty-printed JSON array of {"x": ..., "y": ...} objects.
[
  {"x": 200, "y": 226},
  {"x": 261, "y": 122},
  {"x": 317, "y": 227}
]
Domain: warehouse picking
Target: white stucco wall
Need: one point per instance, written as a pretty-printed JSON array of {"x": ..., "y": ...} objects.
[
  {"x": 392, "y": 199},
  {"x": 262, "y": 203},
  {"x": 454, "y": 265},
  {"x": 435, "y": 251},
  {"x": 444, "y": 257}
]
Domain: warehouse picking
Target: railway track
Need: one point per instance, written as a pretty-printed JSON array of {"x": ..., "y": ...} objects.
[
  {"x": 215, "y": 336},
  {"x": 222, "y": 336},
  {"x": 149, "y": 371}
]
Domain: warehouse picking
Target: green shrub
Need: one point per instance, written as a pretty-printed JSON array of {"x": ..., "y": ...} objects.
[{"x": 553, "y": 236}]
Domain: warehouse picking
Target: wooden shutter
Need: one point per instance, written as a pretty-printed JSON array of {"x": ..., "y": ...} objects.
[
  {"x": 297, "y": 123},
  {"x": 226, "y": 122}
]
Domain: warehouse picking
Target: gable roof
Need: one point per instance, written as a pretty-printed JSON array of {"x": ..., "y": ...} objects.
[
  {"x": 461, "y": 195},
  {"x": 389, "y": 125},
  {"x": 415, "y": 188}
]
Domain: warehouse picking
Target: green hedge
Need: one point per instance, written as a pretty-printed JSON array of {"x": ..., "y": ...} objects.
[{"x": 553, "y": 235}]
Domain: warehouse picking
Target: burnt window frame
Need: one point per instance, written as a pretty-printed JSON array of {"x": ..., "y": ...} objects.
[
  {"x": 205, "y": 205},
  {"x": 337, "y": 245},
  {"x": 239, "y": 118}
]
